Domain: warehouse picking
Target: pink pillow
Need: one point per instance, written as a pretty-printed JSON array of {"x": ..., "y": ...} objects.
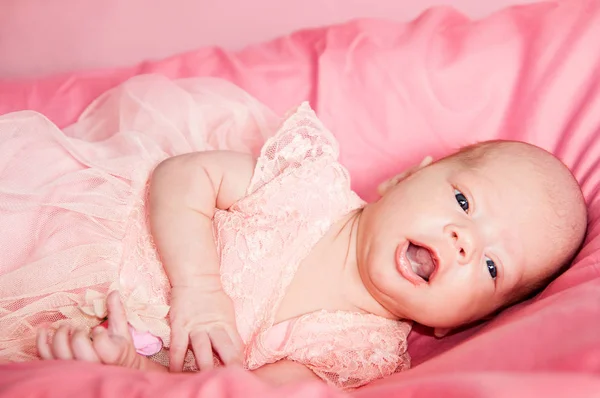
[{"x": 393, "y": 93}]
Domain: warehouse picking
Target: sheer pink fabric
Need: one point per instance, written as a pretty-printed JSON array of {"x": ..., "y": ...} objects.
[
  {"x": 72, "y": 216},
  {"x": 73, "y": 224}
]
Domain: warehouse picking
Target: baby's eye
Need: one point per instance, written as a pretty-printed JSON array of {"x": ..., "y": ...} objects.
[
  {"x": 462, "y": 200},
  {"x": 491, "y": 266}
]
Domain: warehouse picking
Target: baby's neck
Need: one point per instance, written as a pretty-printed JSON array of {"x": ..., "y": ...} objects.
[
  {"x": 328, "y": 278},
  {"x": 343, "y": 245}
]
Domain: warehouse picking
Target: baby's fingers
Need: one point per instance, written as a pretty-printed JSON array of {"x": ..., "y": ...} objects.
[
  {"x": 61, "y": 347},
  {"x": 43, "y": 346},
  {"x": 227, "y": 346},
  {"x": 178, "y": 349},
  {"x": 83, "y": 349},
  {"x": 427, "y": 160},
  {"x": 202, "y": 350},
  {"x": 117, "y": 319},
  {"x": 110, "y": 350}
]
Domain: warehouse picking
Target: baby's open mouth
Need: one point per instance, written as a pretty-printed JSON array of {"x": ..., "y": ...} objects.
[{"x": 421, "y": 260}]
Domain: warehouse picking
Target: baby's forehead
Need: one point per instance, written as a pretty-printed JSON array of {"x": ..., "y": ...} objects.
[
  {"x": 523, "y": 193},
  {"x": 529, "y": 176},
  {"x": 504, "y": 169},
  {"x": 516, "y": 170},
  {"x": 519, "y": 198},
  {"x": 498, "y": 153}
]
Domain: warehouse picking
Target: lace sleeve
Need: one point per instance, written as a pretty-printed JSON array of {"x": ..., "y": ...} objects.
[
  {"x": 301, "y": 139},
  {"x": 350, "y": 350}
]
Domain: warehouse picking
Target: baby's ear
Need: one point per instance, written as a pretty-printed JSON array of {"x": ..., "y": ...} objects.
[
  {"x": 386, "y": 185},
  {"x": 441, "y": 332}
]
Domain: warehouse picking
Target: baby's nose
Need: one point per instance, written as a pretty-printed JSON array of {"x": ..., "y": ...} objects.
[{"x": 463, "y": 242}]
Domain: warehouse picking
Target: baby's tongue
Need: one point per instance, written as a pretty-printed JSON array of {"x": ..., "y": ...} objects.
[{"x": 420, "y": 260}]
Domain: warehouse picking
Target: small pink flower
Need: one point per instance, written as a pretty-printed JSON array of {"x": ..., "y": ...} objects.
[{"x": 145, "y": 343}]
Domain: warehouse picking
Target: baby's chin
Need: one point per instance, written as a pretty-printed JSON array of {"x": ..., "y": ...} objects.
[
  {"x": 458, "y": 324},
  {"x": 444, "y": 321}
]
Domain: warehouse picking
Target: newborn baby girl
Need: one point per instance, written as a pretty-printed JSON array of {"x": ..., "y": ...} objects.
[{"x": 275, "y": 264}]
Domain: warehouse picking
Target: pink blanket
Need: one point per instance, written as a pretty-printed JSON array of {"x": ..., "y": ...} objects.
[{"x": 393, "y": 93}]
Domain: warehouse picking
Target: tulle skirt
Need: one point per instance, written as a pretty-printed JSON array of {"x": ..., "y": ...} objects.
[{"x": 73, "y": 220}]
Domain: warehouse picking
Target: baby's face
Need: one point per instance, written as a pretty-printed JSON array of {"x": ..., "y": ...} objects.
[{"x": 451, "y": 244}]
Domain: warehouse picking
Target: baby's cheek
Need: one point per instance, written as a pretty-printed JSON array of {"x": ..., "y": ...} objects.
[{"x": 457, "y": 304}]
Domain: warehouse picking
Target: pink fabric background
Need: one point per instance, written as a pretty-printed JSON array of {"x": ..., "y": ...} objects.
[
  {"x": 40, "y": 37},
  {"x": 393, "y": 92}
]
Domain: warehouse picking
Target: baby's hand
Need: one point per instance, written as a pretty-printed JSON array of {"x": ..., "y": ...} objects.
[
  {"x": 111, "y": 346},
  {"x": 203, "y": 316}
]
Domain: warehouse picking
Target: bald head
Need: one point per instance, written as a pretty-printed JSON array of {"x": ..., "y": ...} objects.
[{"x": 566, "y": 219}]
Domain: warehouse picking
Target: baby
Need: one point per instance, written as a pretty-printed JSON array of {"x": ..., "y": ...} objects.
[{"x": 275, "y": 264}]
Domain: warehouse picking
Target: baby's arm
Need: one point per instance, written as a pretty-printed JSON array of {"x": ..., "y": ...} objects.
[{"x": 184, "y": 193}]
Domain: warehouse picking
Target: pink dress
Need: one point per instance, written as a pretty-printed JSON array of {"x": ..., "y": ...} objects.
[{"x": 73, "y": 224}]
